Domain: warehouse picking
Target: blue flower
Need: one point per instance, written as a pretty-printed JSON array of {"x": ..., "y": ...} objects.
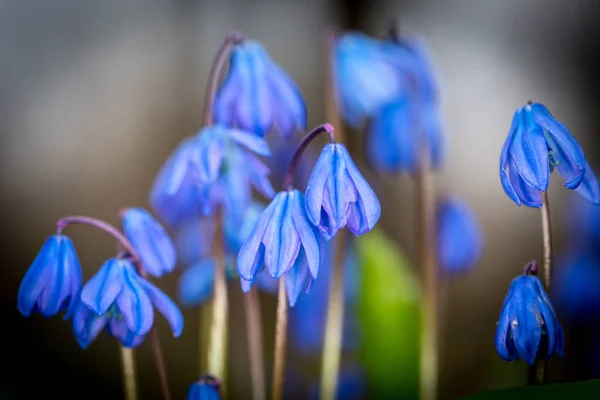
[
  {"x": 151, "y": 241},
  {"x": 338, "y": 195},
  {"x": 577, "y": 285},
  {"x": 258, "y": 95},
  {"x": 536, "y": 144},
  {"x": 282, "y": 231},
  {"x": 460, "y": 238},
  {"x": 196, "y": 283},
  {"x": 528, "y": 327},
  {"x": 236, "y": 235},
  {"x": 53, "y": 280},
  {"x": 194, "y": 240},
  {"x": 217, "y": 166},
  {"x": 369, "y": 73},
  {"x": 118, "y": 296},
  {"x": 206, "y": 388}
]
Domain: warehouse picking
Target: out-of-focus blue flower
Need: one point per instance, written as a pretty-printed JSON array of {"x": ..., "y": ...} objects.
[
  {"x": 583, "y": 222},
  {"x": 528, "y": 327},
  {"x": 338, "y": 195},
  {"x": 235, "y": 235},
  {"x": 368, "y": 74},
  {"x": 536, "y": 144},
  {"x": 282, "y": 231},
  {"x": 117, "y": 293},
  {"x": 460, "y": 238},
  {"x": 206, "y": 388},
  {"x": 53, "y": 280},
  {"x": 150, "y": 239},
  {"x": 217, "y": 166},
  {"x": 577, "y": 285},
  {"x": 282, "y": 153},
  {"x": 196, "y": 283},
  {"x": 258, "y": 95},
  {"x": 194, "y": 240}
]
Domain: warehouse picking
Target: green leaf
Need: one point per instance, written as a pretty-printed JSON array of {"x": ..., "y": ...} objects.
[
  {"x": 575, "y": 390},
  {"x": 389, "y": 316}
]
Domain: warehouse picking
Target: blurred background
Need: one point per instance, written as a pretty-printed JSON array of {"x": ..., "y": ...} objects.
[{"x": 95, "y": 95}]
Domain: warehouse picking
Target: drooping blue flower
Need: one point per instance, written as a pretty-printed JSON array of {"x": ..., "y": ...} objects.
[
  {"x": 217, "y": 166},
  {"x": 151, "y": 241},
  {"x": 196, "y": 283},
  {"x": 577, "y": 285},
  {"x": 194, "y": 240},
  {"x": 460, "y": 237},
  {"x": 117, "y": 293},
  {"x": 368, "y": 74},
  {"x": 536, "y": 145},
  {"x": 257, "y": 95},
  {"x": 528, "y": 327},
  {"x": 338, "y": 195},
  {"x": 207, "y": 388},
  {"x": 281, "y": 232},
  {"x": 53, "y": 280}
]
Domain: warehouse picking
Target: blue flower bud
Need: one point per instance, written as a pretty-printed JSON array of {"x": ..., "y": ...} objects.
[
  {"x": 53, "y": 280},
  {"x": 536, "y": 145},
  {"x": 151, "y": 241},
  {"x": 528, "y": 327},
  {"x": 258, "y": 95},
  {"x": 206, "y": 388},
  {"x": 338, "y": 195}
]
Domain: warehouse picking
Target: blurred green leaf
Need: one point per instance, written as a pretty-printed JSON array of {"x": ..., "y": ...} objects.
[
  {"x": 389, "y": 316},
  {"x": 576, "y": 390}
]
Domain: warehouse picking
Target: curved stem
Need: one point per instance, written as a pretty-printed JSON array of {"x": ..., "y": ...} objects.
[
  {"x": 215, "y": 73},
  {"x": 255, "y": 347},
  {"x": 280, "y": 340},
  {"x": 160, "y": 364},
  {"x": 128, "y": 369},
  {"x": 288, "y": 180}
]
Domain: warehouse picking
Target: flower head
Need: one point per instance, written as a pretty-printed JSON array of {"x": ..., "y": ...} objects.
[
  {"x": 53, "y": 281},
  {"x": 217, "y": 166},
  {"x": 207, "y": 388},
  {"x": 150, "y": 239},
  {"x": 258, "y": 95},
  {"x": 536, "y": 145},
  {"x": 338, "y": 195},
  {"x": 460, "y": 238},
  {"x": 117, "y": 292},
  {"x": 528, "y": 327},
  {"x": 282, "y": 231}
]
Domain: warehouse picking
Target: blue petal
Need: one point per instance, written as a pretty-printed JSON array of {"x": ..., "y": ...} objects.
[
  {"x": 528, "y": 196},
  {"x": 100, "y": 292},
  {"x": 164, "y": 305},
  {"x": 433, "y": 127},
  {"x": 246, "y": 285},
  {"x": 208, "y": 157},
  {"x": 567, "y": 151},
  {"x": 505, "y": 159},
  {"x": 196, "y": 283},
  {"x": 251, "y": 142},
  {"x": 589, "y": 188},
  {"x": 119, "y": 329},
  {"x": 258, "y": 173},
  {"x": 133, "y": 302},
  {"x": 87, "y": 325},
  {"x": 309, "y": 237},
  {"x": 150, "y": 240},
  {"x": 530, "y": 152},
  {"x": 315, "y": 190},
  {"x": 525, "y": 319},
  {"x": 297, "y": 279},
  {"x": 502, "y": 330},
  {"x": 202, "y": 391},
  {"x": 235, "y": 235}
]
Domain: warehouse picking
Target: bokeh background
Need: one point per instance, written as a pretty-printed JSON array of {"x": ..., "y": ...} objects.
[{"x": 95, "y": 95}]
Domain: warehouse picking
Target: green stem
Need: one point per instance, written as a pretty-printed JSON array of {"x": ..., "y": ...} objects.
[
  {"x": 280, "y": 341},
  {"x": 128, "y": 368},
  {"x": 255, "y": 348}
]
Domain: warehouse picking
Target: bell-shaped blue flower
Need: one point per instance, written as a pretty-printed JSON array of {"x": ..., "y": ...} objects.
[
  {"x": 217, "y": 166},
  {"x": 281, "y": 232},
  {"x": 459, "y": 235},
  {"x": 194, "y": 240},
  {"x": 150, "y": 239},
  {"x": 536, "y": 145},
  {"x": 338, "y": 195},
  {"x": 206, "y": 388},
  {"x": 196, "y": 283},
  {"x": 528, "y": 327},
  {"x": 257, "y": 95},
  {"x": 368, "y": 74},
  {"x": 118, "y": 292},
  {"x": 53, "y": 281}
]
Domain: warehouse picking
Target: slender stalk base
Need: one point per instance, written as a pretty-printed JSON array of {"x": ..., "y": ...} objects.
[
  {"x": 425, "y": 199},
  {"x": 255, "y": 348},
  {"x": 217, "y": 344},
  {"x": 160, "y": 365},
  {"x": 129, "y": 379},
  {"x": 332, "y": 347},
  {"x": 280, "y": 340}
]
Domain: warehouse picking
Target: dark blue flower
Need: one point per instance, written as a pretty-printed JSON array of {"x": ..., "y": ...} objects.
[
  {"x": 460, "y": 238},
  {"x": 281, "y": 232},
  {"x": 369, "y": 73},
  {"x": 338, "y": 195},
  {"x": 217, "y": 166},
  {"x": 53, "y": 280},
  {"x": 577, "y": 285},
  {"x": 117, "y": 292},
  {"x": 536, "y": 144},
  {"x": 528, "y": 327},
  {"x": 206, "y": 388},
  {"x": 194, "y": 240},
  {"x": 150, "y": 239},
  {"x": 258, "y": 95}
]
